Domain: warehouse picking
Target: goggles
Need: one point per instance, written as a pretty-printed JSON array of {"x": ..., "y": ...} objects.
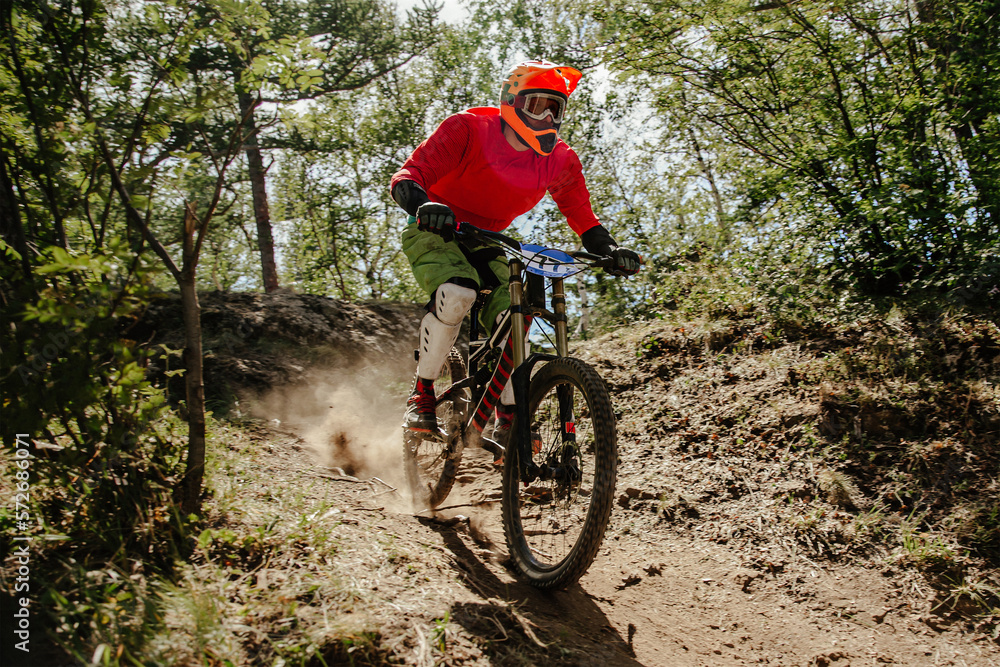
[{"x": 540, "y": 105}]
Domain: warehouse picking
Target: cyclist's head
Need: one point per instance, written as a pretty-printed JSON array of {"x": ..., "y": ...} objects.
[{"x": 533, "y": 100}]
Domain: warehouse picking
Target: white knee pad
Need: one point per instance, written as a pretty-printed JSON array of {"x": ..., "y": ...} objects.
[
  {"x": 436, "y": 339},
  {"x": 439, "y": 330},
  {"x": 452, "y": 302}
]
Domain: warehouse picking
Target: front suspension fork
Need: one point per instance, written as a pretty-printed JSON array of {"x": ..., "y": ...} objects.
[{"x": 528, "y": 469}]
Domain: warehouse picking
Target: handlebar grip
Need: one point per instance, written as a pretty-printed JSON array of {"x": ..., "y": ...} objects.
[{"x": 609, "y": 263}]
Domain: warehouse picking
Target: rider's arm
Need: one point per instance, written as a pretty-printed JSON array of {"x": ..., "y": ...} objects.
[
  {"x": 431, "y": 216},
  {"x": 440, "y": 154},
  {"x": 569, "y": 191},
  {"x": 598, "y": 240},
  {"x": 409, "y": 196}
]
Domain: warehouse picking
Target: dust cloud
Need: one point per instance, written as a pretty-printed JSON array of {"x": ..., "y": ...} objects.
[{"x": 351, "y": 419}]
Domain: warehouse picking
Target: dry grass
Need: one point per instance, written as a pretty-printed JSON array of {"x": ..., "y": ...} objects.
[{"x": 300, "y": 567}]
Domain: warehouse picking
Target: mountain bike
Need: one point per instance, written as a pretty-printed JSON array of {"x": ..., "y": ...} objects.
[{"x": 560, "y": 462}]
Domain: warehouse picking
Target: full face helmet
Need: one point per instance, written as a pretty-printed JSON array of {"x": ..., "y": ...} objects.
[{"x": 535, "y": 93}]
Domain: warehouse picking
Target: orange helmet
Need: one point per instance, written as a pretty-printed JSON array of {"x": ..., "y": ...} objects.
[{"x": 537, "y": 90}]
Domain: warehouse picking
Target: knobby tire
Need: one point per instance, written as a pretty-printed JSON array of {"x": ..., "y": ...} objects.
[{"x": 555, "y": 529}]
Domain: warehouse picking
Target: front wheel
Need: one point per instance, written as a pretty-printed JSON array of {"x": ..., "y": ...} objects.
[{"x": 555, "y": 525}]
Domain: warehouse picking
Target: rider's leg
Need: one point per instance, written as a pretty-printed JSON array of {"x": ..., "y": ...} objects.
[
  {"x": 496, "y": 305},
  {"x": 438, "y": 331},
  {"x": 439, "y": 328},
  {"x": 499, "y": 299},
  {"x": 436, "y": 264},
  {"x": 504, "y": 413}
]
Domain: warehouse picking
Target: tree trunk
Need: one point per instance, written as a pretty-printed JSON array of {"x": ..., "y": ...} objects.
[
  {"x": 194, "y": 373},
  {"x": 258, "y": 183},
  {"x": 11, "y": 228},
  {"x": 583, "y": 326},
  {"x": 720, "y": 212}
]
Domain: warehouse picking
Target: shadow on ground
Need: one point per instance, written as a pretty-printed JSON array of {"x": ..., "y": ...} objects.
[{"x": 519, "y": 623}]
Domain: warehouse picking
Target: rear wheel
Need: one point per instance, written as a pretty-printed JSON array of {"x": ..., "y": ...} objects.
[
  {"x": 555, "y": 525},
  {"x": 431, "y": 463}
]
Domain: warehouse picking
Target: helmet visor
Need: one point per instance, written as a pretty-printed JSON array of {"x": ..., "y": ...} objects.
[{"x": 540, "y": 105}]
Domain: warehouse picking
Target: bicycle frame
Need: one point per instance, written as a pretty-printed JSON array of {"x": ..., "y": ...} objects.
[{"x": 486, "y": 393}]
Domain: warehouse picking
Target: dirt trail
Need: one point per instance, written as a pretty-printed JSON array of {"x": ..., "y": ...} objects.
[
  {"x": 659, "y": 593},
  {"x": 737, "y": 537},
  {"x": 654, "y": 596}
]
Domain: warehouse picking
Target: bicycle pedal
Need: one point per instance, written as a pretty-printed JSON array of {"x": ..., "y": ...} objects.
[{"x": 426, "y": 434}]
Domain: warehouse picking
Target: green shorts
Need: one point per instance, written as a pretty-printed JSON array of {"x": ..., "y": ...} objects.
[{"x": 435, "y": 261}]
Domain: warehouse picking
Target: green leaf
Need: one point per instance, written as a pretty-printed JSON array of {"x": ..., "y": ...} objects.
[{"x": 205, "y": 538}]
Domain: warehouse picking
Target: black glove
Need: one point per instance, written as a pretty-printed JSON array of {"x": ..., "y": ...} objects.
[
  {"x": 437, "y": 218},
  {"x": 598, "y": 240},
  {"x": 626, "y": 262},
  {"x": 409, "y": 196}
]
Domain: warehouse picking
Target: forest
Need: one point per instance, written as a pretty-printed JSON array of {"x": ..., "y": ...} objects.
[{"x": 798, "y": 163}]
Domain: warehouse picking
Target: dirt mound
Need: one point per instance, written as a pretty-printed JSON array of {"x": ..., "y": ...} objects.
[
  {"x": 256, "y": 342},
  {"x": 861, "y": 438}
]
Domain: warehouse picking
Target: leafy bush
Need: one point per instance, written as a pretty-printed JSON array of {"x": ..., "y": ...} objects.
[{"x": 75, "y": 382}]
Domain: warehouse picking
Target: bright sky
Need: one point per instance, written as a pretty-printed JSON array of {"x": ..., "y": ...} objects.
[{"x": 452, "y": 11}]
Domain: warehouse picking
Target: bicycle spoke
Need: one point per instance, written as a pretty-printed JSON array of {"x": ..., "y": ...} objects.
[{"x": 555, "y": 524}]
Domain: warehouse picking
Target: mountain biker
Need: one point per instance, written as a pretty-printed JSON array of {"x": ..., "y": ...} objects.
[{"x": 486, "y": 166}]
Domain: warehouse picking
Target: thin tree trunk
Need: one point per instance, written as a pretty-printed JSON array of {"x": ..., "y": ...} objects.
[
  {"x": 194, "y": 373},
  {"x": 720, "y": 212},
  {"x": 583, "y": 326},
  {"x": 258, "y": 187},
  {"x": 11, "y": 227}
]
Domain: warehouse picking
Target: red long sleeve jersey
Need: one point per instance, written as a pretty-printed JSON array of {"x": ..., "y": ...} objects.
[{"x": 468, "y": 165}]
